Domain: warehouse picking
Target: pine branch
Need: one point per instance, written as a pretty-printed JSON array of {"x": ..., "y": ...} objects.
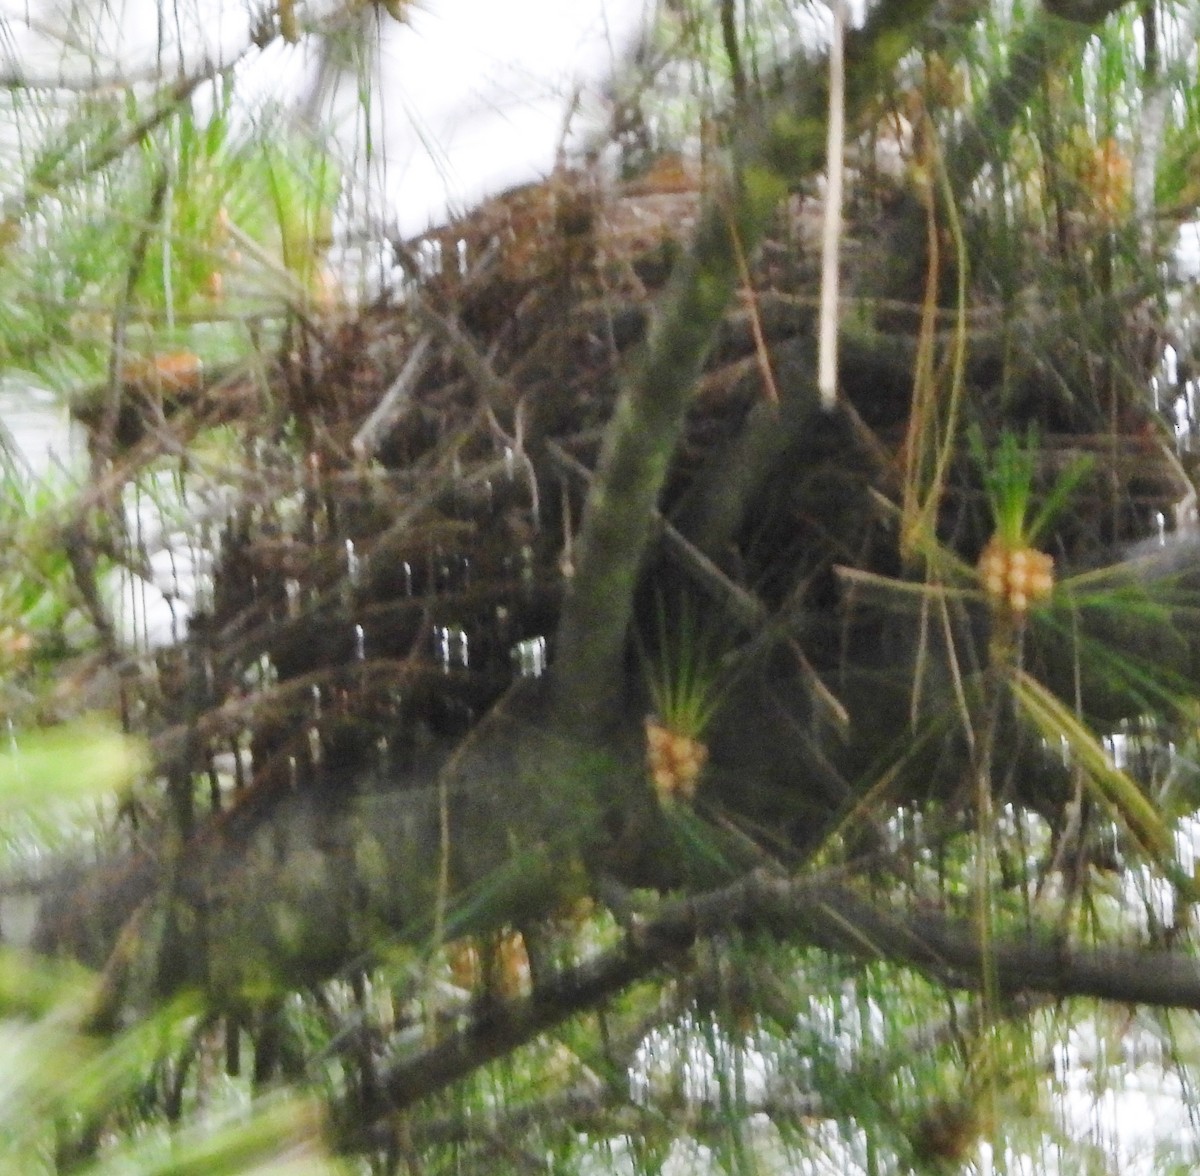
[
  {"x": 1051, "y": 37},
  {"x": 819, "y": 913},
  {"x": 775, "y": 147}
]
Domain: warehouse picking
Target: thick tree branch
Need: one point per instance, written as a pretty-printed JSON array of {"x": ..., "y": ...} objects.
[
  {"x": 776, "y": 147},
  {"x": 828, "y": 915}
]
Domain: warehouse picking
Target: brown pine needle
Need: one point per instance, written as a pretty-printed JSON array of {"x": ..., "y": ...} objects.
[{"x": 751, "y": 301}]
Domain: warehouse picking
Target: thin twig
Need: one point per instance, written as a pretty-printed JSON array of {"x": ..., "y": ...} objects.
[
  {"x": 495, "y": 391},
  {"x": 394, "y": 402},
  {"x": 744, "y": 605}
]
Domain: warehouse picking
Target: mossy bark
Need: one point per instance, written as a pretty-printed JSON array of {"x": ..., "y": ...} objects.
[{"x": 775, "y": 146}]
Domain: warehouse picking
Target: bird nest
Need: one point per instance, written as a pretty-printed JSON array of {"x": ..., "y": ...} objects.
[{"x": 403, "y": 529}]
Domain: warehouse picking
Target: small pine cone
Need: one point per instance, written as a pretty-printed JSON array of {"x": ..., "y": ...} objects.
[
  {"x": 15, "y": 646},
  {"x": 466, "y": 970},
  {"x": 1015, "y": 578},
  {"x": 948, "y": 1133},
  {"x": 675, "y": 762},
  {"x": 512, "y": 975}
]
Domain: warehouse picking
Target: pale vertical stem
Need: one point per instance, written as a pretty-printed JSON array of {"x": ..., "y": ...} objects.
[{"x": 831, "y": 245}]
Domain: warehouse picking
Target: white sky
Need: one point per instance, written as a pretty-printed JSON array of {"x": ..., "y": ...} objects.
[
  {"x": 478, "y": 91},
  {"x": 473, "y": 92}
]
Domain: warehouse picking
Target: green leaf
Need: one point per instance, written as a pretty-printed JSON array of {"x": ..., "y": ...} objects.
[
  {"x": 278, "y": 1137},
  {"x": 69, "y": 763},
  {"x": 1117, "y": 791}
]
